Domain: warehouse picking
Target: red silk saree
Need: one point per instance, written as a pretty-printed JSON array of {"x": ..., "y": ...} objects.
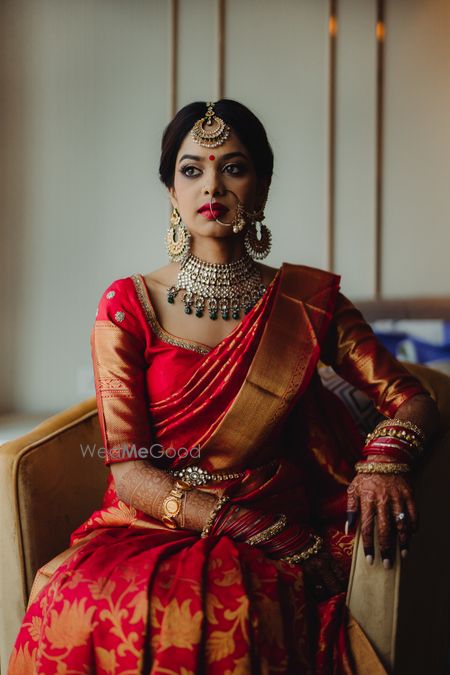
[{"x": 133, "y": 596}]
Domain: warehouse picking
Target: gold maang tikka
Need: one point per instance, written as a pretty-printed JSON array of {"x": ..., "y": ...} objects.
[{"x": 210, "y": 131}]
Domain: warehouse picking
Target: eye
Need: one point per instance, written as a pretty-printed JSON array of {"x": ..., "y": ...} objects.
[
  {"x": 190, "y": 171},
  {"x": 235, "y": 169}
]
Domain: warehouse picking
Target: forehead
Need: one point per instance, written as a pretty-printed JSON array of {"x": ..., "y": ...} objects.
[{"x": 190, "y": 147}]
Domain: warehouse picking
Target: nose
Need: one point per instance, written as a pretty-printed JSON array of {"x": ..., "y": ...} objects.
[{"x": 213, "y": 186}]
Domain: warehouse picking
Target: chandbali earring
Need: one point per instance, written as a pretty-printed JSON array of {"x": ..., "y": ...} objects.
[
  {"x": 178, "y": 238},
  {"x": 257, "y": 244}
]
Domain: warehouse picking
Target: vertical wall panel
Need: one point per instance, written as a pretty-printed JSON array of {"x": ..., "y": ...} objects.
[
  {"x": 355, "y": 147},
  {"x": 417, "y": 149},
  {"x": 13, "y": 144},
  {"x": 96, "y": 79},
  {"x": 276, "y": 63}
]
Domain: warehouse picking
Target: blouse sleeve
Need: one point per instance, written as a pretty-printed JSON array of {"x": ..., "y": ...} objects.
[
  {"x": 355, "y": 353},
  {"x": 118, "y": 355}
]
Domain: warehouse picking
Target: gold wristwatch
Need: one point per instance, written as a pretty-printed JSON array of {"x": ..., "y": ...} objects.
[{"x": 172, "y": 504}]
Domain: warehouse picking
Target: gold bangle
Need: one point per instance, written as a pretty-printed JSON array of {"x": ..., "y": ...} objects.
[
  {"x": 409, "y": 425},
  {"x": 269, "y": 532},
  {"x": 306, "y": 553},
  {"x": 381, "y": 467},
  {"x": 171, "y": 505},
  {"x": 212, "y": 516},
  {"x": 395, "y": 433},
  {"x": 402, "y": 423}
]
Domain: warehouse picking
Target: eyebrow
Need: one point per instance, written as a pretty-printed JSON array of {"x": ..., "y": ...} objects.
[{"x": 228, "y": 155}]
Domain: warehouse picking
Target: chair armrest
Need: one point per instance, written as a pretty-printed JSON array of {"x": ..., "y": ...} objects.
[
  {"x": 405, "y": 611},
  {"x": 47, "y": 489},
  {"x": 372, "y": 598}
]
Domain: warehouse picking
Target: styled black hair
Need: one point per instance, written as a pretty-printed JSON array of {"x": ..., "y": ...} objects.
[{"x": 242, "y": 121}]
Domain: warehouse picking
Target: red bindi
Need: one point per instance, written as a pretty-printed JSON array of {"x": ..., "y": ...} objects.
[{"x": 212, "y": 158}]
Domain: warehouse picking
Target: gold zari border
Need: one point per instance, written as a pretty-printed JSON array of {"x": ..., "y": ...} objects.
[{"x": 159, "y": 330}]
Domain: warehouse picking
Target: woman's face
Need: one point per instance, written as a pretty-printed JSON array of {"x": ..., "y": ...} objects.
[{"x": 202, "y": 173}]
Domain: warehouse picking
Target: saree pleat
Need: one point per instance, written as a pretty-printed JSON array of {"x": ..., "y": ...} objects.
[{"x": 141, "y": 598}]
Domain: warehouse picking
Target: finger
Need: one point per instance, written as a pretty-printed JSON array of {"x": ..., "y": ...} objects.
[
  {"x": 350, "y": 523},
  {"x": 412, "y": 513},
  {"x": 386, "y": 530},
  {"x": 352, "y": 498},
  {"x": 353, "y": 506},
  {"x": 367, "y": 525},
  {"x": 403, "y": 525}
]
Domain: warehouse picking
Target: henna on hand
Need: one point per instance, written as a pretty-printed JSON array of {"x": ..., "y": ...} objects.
[
  {"x": 384, "y": 496},
  {"x": 145, "y": 487},
  {"x": 198, "y": 508}
]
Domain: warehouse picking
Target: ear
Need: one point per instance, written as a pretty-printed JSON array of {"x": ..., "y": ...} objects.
[{"x": 172, "y": 196}]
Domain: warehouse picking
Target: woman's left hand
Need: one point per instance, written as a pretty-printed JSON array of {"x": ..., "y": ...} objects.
[
  {"x": 324, "y": 575},
  {"x": 390, "y": 498}
]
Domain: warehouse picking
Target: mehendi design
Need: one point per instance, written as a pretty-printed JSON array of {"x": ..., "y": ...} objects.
[
  {"x": 144, "y": 487},
  {"x": 383, "y": 496}
]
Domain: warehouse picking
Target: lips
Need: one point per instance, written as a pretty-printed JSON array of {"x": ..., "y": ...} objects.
[{"x": 216, "y": 209}]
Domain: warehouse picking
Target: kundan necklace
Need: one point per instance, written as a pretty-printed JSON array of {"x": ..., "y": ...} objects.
[{"x": 227, "y": 287}]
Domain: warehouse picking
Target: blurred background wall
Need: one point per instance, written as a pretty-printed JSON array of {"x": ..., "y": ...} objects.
[{"x": 354, "y": 94}]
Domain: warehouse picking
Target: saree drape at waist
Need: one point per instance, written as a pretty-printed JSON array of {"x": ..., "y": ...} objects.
[{"x": 140, "y": 598}]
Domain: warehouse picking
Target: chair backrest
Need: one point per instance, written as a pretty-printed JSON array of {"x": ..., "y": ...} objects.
[{"x": 47, "y": 489}]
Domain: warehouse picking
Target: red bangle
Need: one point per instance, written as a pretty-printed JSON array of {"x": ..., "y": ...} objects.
[
  {"x": 388, "y": 447},
  {"x": 245, "y": 525},
  {"x": 223, "y": 518},
  {"x": 386, "y": 453},
  {"x": 277, "y": 544},
  {"x": 397, "y": 453}
]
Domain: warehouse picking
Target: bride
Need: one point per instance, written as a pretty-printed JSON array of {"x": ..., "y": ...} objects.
[{"x": 224, "y": 540}]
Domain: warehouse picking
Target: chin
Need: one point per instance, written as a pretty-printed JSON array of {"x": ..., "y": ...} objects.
[{"x": 211, "y": 229}]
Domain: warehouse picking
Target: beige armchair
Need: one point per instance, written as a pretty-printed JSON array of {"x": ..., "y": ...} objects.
[{"x": 47, "y": 489}]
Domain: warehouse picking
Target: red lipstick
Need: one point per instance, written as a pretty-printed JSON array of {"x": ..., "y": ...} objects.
[{"x": 212, "y": 211}]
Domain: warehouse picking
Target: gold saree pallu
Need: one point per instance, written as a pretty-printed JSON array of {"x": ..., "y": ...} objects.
[{"x": 281, "y": 369}]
